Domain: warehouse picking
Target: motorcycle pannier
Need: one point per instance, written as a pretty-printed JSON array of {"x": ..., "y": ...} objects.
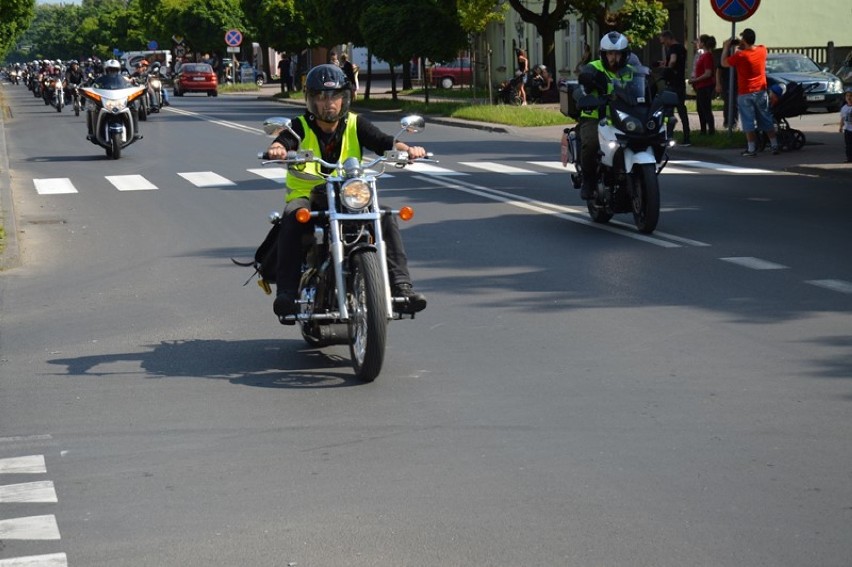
[{"x": 567, "y": 104}]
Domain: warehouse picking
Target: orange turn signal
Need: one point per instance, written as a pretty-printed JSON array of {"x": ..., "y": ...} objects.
[
  {"x": 303, "y": 215},
  {"x": 406, "y": 213}
]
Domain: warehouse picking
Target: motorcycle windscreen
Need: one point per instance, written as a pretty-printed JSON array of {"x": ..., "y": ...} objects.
[{"x": 632, "y": 85}]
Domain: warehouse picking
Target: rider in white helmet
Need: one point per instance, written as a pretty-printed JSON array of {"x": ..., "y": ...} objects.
[{"x": 596, "y": 78}]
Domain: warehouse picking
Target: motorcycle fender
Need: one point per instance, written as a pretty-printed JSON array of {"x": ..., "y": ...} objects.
[
  {"x": 360, "y": 249},
  {"x": 634, "y": 158},
  {"x": 608, "y": 144}
]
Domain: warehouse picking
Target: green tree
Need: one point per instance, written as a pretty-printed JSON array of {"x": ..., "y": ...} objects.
[
  {"x": 640, "y": 20},
  {"x": 202, "y": 22},
  {"x": 16, "y": 19},
  {"x": 552, "y": 17},
  {"x": 412, "y": 28}
]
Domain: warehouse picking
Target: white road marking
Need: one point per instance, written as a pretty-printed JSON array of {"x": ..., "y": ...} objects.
[
  {"x": 54, "y": 186},
  {"x": 277, "y": 174},
  {"x": 559, "y": 211},
  {"x": 495, "y": 167},
  {"x": 225, "y": 123},
  {"x": 429, "y": 169},
  {"x": 570, "y": 168},
  {"x": 206, "y": 179},
  {"x": 51, "y": 560},
  {"x": 32, "y": 464},
  {"x": 131, "y": 183},
  {"x": 833, "y": 285},
  {"x": 31, "y": 527},
  {"x": 722, "y": 167},
  {"x": 754, "y": 263},
  {"x": 42, "y": 491}
]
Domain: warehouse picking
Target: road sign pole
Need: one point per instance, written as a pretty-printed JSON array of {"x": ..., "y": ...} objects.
[{"x": 732, "y": 88}]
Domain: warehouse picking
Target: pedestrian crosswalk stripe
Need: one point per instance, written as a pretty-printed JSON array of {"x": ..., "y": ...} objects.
[
  {"x": 50, "y": 560},
  {"x": 41, "y": 491},
  {"x": 429, "y": 169},
  {"x": 277, "y": 174},
  {"x": 54, "y": 186},
  {"x": 131, "y": 183},
  {"x": 495, "y": 167},
  {"x": 31, "y": 464},
  {"x": 754, "y": 263},
  {"x": 721, "y": 167},
  {"x": 557, "y": 165},
  {"x": 206, "y": 179},
  {"x": 30, "y": 527},
  {"x": 833, "y": 285}
]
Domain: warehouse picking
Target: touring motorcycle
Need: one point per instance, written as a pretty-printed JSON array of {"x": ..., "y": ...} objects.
[
  {"x": 344, "y": 292},
  {"x": 110, "y": 113},
  {"x": 634, "y": 138}
]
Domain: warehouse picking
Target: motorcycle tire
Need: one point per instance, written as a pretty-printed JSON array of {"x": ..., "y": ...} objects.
[
  {"x": 368, "y": 321},
  {"x": 143, "y": 114},
  {"x": 115, "y": 150},
  {"x": 76, "y": 108},
  {"x": 646, "y": 197}
]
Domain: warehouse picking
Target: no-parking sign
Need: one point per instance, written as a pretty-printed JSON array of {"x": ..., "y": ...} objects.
[
  {"x": 735, "y": 10},
  {"x": 233, "y": 38}
]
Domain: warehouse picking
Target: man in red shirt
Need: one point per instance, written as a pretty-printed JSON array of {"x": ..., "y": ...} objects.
[{"x": 752, "y": 101}]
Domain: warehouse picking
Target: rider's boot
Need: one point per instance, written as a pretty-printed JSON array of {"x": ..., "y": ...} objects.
[{"x": 414, "y": 300}]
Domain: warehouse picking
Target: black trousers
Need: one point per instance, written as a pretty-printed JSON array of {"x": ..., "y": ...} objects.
[
  {"x": 291, "y": 252},
  {"x": 704, "y": 105}
]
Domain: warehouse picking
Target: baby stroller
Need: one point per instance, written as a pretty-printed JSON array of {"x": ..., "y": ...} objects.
[
  {"x": 786, "y": 101},
  {"x": 508, "y": 91}
]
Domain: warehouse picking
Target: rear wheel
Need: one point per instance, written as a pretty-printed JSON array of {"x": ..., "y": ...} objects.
[
  {"x": 646, "y": 197},
  {"x": 259, "y": 81},
  {"x": 368, "y": 322}
]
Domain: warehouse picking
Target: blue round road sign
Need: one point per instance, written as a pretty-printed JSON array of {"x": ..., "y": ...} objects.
[
  {"x": 233, "y": 38},
  {"x": 735, "y": 10},
  {"x": 152, "y": 45}
]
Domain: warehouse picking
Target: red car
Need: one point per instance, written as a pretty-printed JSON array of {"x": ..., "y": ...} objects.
[
  {"x": 196, "y": 78},
  {"x": 457, "y": 72}
]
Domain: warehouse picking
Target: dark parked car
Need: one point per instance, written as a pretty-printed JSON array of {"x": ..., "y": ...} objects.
[
  {"x": 196, "y": 78},
  {"x": 823, "y": 90}
]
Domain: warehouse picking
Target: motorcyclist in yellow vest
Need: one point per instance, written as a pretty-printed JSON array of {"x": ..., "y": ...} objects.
[
  {"x": 596, "y": 78},
  {"x": 334, "y": 133}
]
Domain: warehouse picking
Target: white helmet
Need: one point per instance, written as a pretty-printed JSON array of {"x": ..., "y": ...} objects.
[
  {"x": 112, "y": 65},
  {"x": 614, "y": 41}
]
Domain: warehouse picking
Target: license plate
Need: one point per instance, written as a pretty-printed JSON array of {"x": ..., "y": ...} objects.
[
  {"x": 198, "y": 78},
  {"x": 815, "y": 97}
]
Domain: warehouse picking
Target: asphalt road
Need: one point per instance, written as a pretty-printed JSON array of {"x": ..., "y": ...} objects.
[{"x": 574, "y": 394}]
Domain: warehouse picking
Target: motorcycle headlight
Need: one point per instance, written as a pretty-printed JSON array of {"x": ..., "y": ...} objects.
[
  {"x": 356, "y": 194},
  {"x": 115, "y": 105},
  {"x": 630, "y": 123}
]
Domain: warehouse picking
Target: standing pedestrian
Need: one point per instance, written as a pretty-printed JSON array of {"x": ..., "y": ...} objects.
[
  {"x": 285, "y": 73},
  {"x": 752, "y": 100},
  {"x": 846, "y": 123},
  {"x": 703, "y": 80},
  {"x": 524, "y": 70},
  {"x": 723, "y": 90},
  {"x": 675, "y": 63}
]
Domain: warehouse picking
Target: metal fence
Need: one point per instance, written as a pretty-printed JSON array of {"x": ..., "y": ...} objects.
[{"x": 828, "y": 55}]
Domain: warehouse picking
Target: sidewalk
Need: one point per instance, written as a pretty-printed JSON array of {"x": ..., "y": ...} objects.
[{"x": 822, "y": 155}]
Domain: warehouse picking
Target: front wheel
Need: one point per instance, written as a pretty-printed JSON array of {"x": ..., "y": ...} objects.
[
  {"x": 259, "y": 81},
  {"x": 447, "y": 83},
  {"x": 646, "y": 197},
  {"x": 368, "y": 321},
  {"x": 115, "y": 146}
]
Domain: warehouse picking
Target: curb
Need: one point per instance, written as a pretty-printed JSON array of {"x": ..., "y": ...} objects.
[{"x": 10, "y": 255}]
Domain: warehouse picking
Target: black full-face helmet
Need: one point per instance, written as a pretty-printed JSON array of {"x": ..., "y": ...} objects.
[{"x": 327, "y": 81}]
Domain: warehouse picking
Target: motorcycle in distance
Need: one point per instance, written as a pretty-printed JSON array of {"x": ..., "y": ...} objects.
[
  {"x": 57, "y": 93},
  {"x": 74, "y": 95},
  {"x": 155, "y": 88},
  {"x": 344, "y": 292},
  {"x": 634, "y": 138},
  {"x": 110, "y": 107}
]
